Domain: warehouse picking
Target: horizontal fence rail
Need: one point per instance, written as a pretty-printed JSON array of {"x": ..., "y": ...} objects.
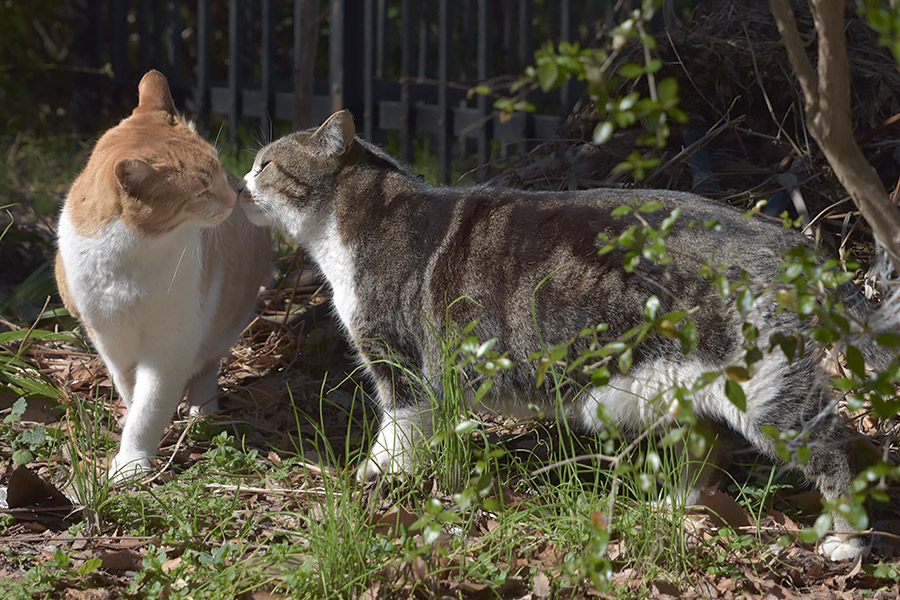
[{"x": 398, "y": 66}]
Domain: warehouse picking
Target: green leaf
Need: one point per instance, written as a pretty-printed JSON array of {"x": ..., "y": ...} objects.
[
  {"x": 18, "y": 408},
  {"x": 688, "y": 337},
  {"x": 844, "y": 384},
  {"x": 622, "y": 210},
  {"x": 651, "y": 206},
  {"x": 855, "y": 361},
  {"x": 483, "y": 389},
  {"x": 704, "y": 380},
  {"x": 600, "y": 377},
  {"x": 631, "y": 70},
  {"x": 669, "y": 221},
  {"x": 888, "y": 339},
  {"x": 21, "y": 457},
  {"x": 625, "y": 361},
  {"x": 90, "y": 565},
  {"x": 631, "y": 261},
  {"x": 651, "y": 307},
  {"x": 61, "y": 559},
  {"x": 548, "y": 72},
  {"x": 667, "y": 329},
  {"x": 806, "y": 304},
  {"x": 737, "y": 373},
  {"x": 33, "y": 437},
  {"x": 602, "y": 132},
  {"x": 667, "y": 90},
  {"x": 735, "y": 393},
  {"x": 744, "y": 301},
  {"x": 825, "y": 335}
]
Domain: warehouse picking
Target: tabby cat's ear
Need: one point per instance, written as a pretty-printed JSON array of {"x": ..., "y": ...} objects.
[
  {"x": 336, "y": 134},
  {"x": 135, "y": 175},
  {"x": 154, "y": 93}
]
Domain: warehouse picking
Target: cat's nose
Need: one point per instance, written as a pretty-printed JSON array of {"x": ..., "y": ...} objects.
[{"x": 241, "y": 186}]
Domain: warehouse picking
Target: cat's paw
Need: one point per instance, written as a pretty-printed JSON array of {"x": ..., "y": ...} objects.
[
  {"x": 843, "y": 547},
  {"x": 381, "y": 462},
  {"x": 124, "y": 468},
  {"x": 210, "y": 407}
]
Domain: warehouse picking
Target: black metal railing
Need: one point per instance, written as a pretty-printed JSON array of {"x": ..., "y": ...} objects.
[{"x": 397, "y": 65}]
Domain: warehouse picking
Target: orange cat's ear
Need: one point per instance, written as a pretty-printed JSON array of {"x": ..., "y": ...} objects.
[
  {"x": 336, "y": 134},
  {"x": 134, "y": 175},
  {"x": 154, "y": 93}
]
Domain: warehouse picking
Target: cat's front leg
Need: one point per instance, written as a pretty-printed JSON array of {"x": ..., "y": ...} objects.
[
  {"x": 202, "y": 391},
  {"x": 400, "y": 430},
  {"x": 405, "y": 420},
  {"x": 157, "y": 392}
]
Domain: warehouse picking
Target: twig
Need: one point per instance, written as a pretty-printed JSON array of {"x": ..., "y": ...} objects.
[
  {"x": 689, "y": 151},
  {"x": 178, "y": 443}
]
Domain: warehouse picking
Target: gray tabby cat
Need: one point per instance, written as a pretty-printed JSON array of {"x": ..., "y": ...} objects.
[{"x": 397, "y": 253}]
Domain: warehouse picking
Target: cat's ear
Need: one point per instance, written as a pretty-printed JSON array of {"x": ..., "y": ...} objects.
[
  {"x": 135, "y": 175},
  {"x": 154, "y": 93},
  {"x": 336, "y": 134}
]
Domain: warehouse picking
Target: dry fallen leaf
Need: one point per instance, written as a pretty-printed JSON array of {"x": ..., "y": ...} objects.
[
  {"x": 122, "y": 560},
  {"x": 540, "y": 586}
]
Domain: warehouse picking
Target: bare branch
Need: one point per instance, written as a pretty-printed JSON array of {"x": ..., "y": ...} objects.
[
  {"x": 827, "y": 100},
  {"x": 787, "y": 27}
]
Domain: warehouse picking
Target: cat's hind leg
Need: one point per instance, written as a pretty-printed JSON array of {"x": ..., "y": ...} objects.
[
  {"x": 405, "y": 420},
  {"x": 203, "y": 389},
  {"x": 797, "y": 400},
  {"x": 399, "y": 432},
  {"x": 157, "y": 391}
]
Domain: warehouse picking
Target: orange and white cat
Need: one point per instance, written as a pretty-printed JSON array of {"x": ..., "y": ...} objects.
[{"x": 159, "y": 264}]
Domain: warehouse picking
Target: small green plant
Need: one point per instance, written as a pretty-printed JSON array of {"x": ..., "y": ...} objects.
[
  {"x": 623, "y": 95},
  {"x": 29, "y": 442},
  {"x": 226, "y": 456}
]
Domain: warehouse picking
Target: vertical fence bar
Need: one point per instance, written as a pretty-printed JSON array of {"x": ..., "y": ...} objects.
[
  {"x": 525, "y": 52},
  {"x": 369, "y": 71},
  {"x": 119, "y": 52},
  {"x": 336, "y": 55},
  {"x": 468, "y": 54},
  {"x": 445, "y": 123},
  {"x": 201, "y": 88},
  {"x": 306, "y": 45},
  {"x": 344, "y": 48},
  {"x": 173, "y": 48},
  {"x": 380, "y": 42},
  {"x": 526, "y": 35},
  {"x": 406, "y": 129},
  {"x": 485, "y": 56},
  {"x": 145, "y": 45},
  {"x": 566, "y": 33},
  {"x": 265, "y": 74},
  {"x": 156, "y": 43},
  {"x": 422, "y": 50},
  {"x": 87, "y": 53},
  {"x": 509, "y": 55},
  {"x": 234, "y": 70}
]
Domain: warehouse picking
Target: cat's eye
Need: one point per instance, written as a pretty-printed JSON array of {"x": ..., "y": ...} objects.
[{"x": 262, "y": 166}]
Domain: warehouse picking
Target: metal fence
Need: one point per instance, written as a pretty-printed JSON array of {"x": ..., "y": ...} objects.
[{"x": 397, "y": 65}]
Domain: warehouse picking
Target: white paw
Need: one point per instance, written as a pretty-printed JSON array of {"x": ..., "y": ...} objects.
[
  {"x": 381, "y": 462},
  {"x": 124, "y": 468},
  {"x": 843, "y": 547},
  {"x": 207, "y": 408}
]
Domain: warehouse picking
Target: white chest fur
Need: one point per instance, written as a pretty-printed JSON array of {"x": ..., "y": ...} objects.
[
  {"x": 119, "y": 278},
  {"x": 338, "y": 266}
]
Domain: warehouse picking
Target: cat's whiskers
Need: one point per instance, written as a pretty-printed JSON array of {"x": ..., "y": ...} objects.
[
  {"x": 218, "y": 135},
  {"x": 177, "y": 265}
]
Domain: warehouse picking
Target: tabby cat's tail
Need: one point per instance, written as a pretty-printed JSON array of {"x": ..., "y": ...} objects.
[{"x": 877, "y": 320}]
